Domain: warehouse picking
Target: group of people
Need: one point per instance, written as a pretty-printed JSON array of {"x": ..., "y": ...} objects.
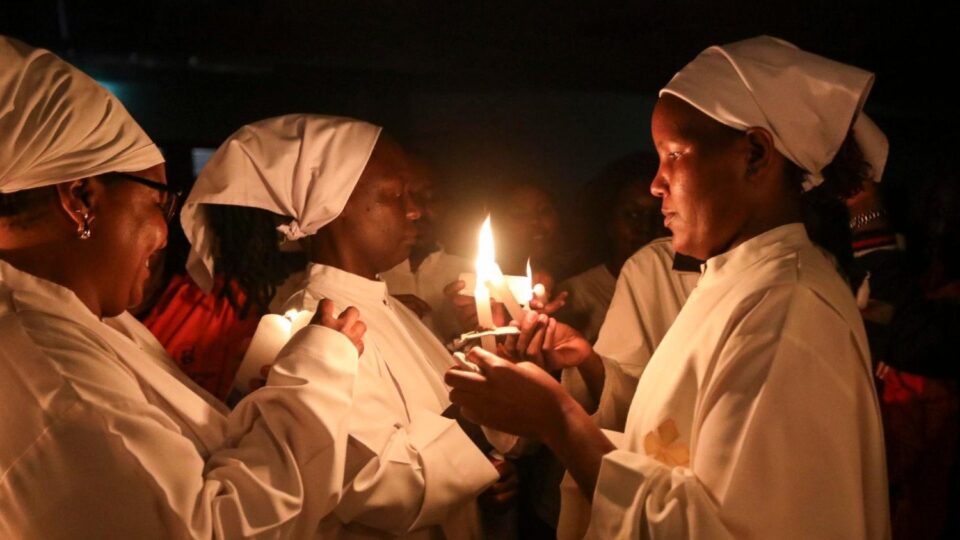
[{"x": 716, "y": 383}]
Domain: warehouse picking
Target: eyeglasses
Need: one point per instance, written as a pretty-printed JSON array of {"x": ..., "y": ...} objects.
[{"x": 169, "y": 195}]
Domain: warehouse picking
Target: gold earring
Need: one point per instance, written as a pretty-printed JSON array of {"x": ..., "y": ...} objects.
[{"x": 83, "y": 229}]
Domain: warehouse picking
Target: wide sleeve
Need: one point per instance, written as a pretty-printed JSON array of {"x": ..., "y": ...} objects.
[
  {"x": 112, "y": 465},
  {"x": 786, "y": 444},
  {"x": 405, "y": 476}
]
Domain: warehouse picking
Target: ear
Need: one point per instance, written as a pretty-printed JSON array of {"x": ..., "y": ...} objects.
[
  {"x": 762, "y": 151},
  {"x": 79, "y": 197}
]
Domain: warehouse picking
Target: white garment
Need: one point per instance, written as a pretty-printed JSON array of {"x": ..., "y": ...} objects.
[
  {"x": 756, "y": 416},
  {"x": 806, "y": 102},
  {"x": 409, "y": 471},
  {"x": 300, "y": 166},
  {"x": 590, "y": 294},
  {"x": 59, "y": 125},
  {"x": 104, "y": 437},
  {"x": 648, "y": 296},
  {"x": 437, "y": 271}
]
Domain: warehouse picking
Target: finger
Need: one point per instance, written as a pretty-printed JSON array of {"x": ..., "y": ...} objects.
[
  {"x": 358, "y": 329},
  {"x": 532, "y": 322},
  {"x": 549, "y": 341},
  {"x": 324, "y": 314},
  {"x": 463, "y": 379},
  {"x": 454, "y": 287},
  {"x": 536, "y": 342},
  {"x": 485, "y": 360},
  {"x": 349, "y": 317}
]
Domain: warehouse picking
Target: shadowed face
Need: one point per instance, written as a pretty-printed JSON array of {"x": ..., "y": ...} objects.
[
  {"x": 129, "y": 227},
  {"x": 703, "y": 198},
  {"x": 377, "y": 223}
]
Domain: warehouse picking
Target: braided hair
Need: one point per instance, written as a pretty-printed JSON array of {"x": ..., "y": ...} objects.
[{"x": 248, "y": 255}]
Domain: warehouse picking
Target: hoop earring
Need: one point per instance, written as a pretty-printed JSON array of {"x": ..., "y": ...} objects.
[{"x": 83, "y": 229}]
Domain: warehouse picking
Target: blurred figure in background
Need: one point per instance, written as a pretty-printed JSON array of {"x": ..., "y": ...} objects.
[{"x": 620, "y": 218}]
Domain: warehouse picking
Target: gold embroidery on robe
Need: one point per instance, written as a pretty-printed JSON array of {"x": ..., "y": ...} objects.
[{"x": 663, "y": 446}]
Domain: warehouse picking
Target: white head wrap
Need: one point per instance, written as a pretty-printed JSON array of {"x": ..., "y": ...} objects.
[
  {"x": 808, "y": 103},
  {"x": 301, "y": 166},
  {"x": 58, "y": 124}
]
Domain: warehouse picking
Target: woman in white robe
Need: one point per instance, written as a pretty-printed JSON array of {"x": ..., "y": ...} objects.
[
  {"x": 103, "y": 437},
  {"x": 756, "y": 417},
  {"x": 343, "y": 190}
]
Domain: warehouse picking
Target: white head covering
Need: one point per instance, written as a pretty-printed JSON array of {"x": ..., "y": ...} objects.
[
  {"x": 58, "y": 124},
  {"x": 808, "y": 103},
  {"x": 302, "y": 166}
]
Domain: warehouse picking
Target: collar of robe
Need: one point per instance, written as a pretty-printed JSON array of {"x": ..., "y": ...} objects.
[
  {"x": 773, "y": 243},
  {"x": 133, "y": 345},
  {"x": 351, "y": 285}
]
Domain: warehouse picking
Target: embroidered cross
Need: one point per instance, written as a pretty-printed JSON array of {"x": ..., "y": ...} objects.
[{"x": 663, "y": 446}]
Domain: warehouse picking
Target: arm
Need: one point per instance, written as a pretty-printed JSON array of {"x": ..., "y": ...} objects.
[{"x": 116, "y": 463}]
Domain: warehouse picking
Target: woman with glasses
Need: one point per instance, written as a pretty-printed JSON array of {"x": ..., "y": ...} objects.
[{"x": 102, "y": 436}]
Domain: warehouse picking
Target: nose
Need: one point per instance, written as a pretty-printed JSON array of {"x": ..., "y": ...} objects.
[
  {"x": 412, "y": 208},
  {"x": 658, "y": 188}
]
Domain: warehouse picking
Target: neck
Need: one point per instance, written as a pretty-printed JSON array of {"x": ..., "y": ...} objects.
[
  {"x": 419, "y": 253},
  {"x": 325, "y": 249}
]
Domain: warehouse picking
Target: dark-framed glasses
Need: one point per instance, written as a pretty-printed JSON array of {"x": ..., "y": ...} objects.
[{"x": 169, "y": 195}]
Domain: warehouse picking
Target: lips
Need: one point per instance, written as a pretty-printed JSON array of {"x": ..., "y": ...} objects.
[{"x": 668, "y": 218}]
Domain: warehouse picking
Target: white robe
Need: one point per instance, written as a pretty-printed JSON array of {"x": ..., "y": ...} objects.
[
  {"x": 409, "y": 471},
  {"x": 590, "y": 294},
  {"x": 756, "y": 417},
  {"x": 104, "y": 437},
  {"x": 648, "y": 296},
  {"x": 437, "y": 271}
]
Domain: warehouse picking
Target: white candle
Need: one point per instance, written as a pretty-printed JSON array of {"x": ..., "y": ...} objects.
[
  {"x": 486, "y": 268},
  {"x": 272, "y": 334}
]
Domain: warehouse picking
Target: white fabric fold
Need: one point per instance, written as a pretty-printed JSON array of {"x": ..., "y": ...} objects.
[
  {"x": 59, "y": 125},
  {"x": 301, "y": 166},
  {"x": 807, "y": 102}
]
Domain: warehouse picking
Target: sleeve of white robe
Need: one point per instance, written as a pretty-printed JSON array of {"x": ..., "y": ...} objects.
[
  {"x": 112, "y": 465},
  {"x": 402, "y": 478},
  {"x": 624, "y": 345},
  {"x": 780, "y": 452}
]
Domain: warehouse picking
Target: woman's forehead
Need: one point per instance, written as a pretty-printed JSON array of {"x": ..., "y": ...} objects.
[{"x": 674, "y": 118}]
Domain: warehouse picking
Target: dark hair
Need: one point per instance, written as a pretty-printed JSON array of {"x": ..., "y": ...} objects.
[
  {"x": 825, "y": 212},
  {"x": 20, "y": 208},
  {"x": 601, "y": 195},
  {"x": 247, "y": 253}
]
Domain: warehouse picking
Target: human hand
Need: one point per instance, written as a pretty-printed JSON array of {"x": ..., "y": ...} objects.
[
  {"x": 516, "y": 398},
  {"x": 550, "y": 344},
  {"x": 498, "y": 497},
  {"x": 464, "y": 307},
  {"x": 414, "y": 303},
  {"x": 348, "y": 323}
]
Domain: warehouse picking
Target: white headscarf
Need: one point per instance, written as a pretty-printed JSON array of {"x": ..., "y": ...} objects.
[
  {"x": 302, "y": 166},
  {"x": 57, "y": 124},
  {"x": 808, "y": 103}
]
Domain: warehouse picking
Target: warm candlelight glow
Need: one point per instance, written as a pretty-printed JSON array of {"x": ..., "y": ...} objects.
[{"x": 486, "y": 265}]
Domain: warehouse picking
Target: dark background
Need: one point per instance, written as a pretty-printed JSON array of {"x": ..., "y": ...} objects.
[{"x": 490, "y": 90}]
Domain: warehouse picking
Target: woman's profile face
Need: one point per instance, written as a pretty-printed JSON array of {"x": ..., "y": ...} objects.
[{"x": 128, "y": 227}]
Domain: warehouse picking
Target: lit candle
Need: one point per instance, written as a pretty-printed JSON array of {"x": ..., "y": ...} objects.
[{"x": 486, "y": 268}]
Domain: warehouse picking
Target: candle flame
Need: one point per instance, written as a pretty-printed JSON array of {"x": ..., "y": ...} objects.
[
  {"x": 486, "y": 265},
  {"x": 528, "y": 286}
]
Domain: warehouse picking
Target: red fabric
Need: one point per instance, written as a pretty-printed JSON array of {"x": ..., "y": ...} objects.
[{"x": 202, "y": 333}]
